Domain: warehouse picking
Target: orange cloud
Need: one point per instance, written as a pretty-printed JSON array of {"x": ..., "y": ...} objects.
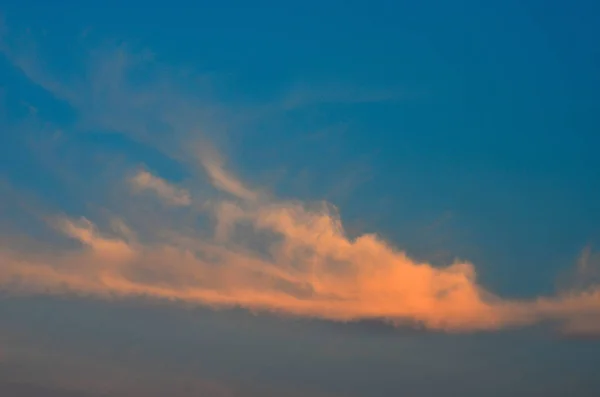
[
  {"x": 144, "y": 180},
  {"x": 221, "y": 179},
  {"x": 284, "y": 257}
]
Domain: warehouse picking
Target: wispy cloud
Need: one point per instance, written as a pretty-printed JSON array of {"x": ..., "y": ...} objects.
[
  {"x": 143, "y": 180},
  {"x": 213, "y": 164},
  {"x": 258, "y": 252},
  {"x": 285, "y": 257}
]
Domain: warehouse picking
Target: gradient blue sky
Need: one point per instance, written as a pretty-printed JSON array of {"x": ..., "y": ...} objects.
[{"x": 451, "y": 129}]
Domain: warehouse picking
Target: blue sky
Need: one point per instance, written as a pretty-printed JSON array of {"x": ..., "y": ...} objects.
[{"x": 454, "y": 132}]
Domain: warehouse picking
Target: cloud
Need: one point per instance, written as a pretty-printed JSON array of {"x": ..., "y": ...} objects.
[
  {"x": 144, "y": 180},
  {"x": 260, "y": 253},
  {"x": 213, "y": 164},
  {"x": 285, "y": 257}
]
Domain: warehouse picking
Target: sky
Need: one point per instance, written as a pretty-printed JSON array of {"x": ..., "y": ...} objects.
[{"x": 327, "y": 199}]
